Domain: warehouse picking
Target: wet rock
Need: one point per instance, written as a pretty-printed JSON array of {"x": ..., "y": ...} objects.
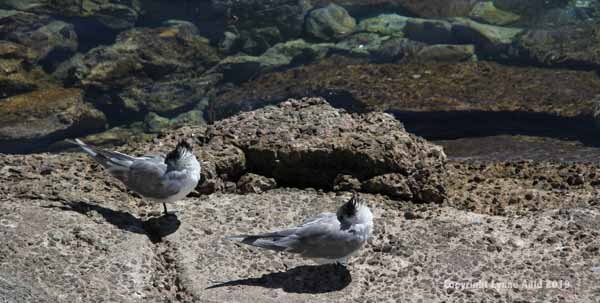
[
  {"x": 384, "y": 24},
  {"x": 253, "y": 183},
  {"x": 18, "y": 76},
  {"x": 154, "y": 123},
  {"x": 447, "y": 53},
  {"x": 144, "y": 54},
  {"x": 47, "y": 40},
  {"x": 557, "y": 92},
  {"x": 429, "y": 31},
  {"x": 308, "y": 143},
  {"x": 361, "y": 45},
  {"x": 32, "y": 120},
  {"x": 241, "y": 68},
  {"x": 329, "y": 23},
  {"x": 171, "y": 95},
  {"x": 573, "y": 46},
  {"x": 286, "y": 15},
  {"x": 490, "y": 40},
  {"x": 488, "y": 13},
  {"x": 115, "y": 14}
]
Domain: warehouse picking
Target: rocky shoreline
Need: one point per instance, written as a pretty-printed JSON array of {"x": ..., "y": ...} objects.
[
  {"x": 74, "y": 234},
  {"x": 144, "y": 66}
]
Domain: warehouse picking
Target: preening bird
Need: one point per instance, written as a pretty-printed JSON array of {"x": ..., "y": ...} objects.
[
  {"x": 157, "y": 178},
  {"x": 327, "y": 237}
]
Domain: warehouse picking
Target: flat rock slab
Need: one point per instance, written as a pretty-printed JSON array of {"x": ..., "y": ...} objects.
[{"x": 428, "y": 257}]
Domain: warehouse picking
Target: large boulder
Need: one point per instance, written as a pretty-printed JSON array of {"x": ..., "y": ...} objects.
[
  {"x": 31, "y": 121},
  {"x": 240, "y": 68},
  {"x": 308, "y": 143},
  {"x": 490, "y": 40},
  {"x": 487, "y": 12},
  {"x": 331, "y": 22},
  {"x": 142, "y": 54},
  {"x": 147, "y": 69}
]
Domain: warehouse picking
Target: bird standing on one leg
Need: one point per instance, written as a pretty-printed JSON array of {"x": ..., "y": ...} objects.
[{"x": 158, "y": 178}]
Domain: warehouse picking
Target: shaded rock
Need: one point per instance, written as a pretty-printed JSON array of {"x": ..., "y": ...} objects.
[
  {"x": 490, "y": 40},
  {"x": 384, "y": 24},
  {"x": 143, "y": 54},
  {"x": 573, "y": 46},
  {"x": 488, "y": 13},
  {"x": 429, "y": 31},
  {"x": 328, "y": 23},
  {"x": 286, "y": 15},
  {"x": 241, "y": 68},
  {"x": 393, "y": 185},
  {"x": 154, "y": 123},
  {"x": 346, "y": 183},
  {"x": 173, "y": 94},
  {"x": 33, "y": 120},
  {"x": 308, "y": 143},
  {"x": 257, "y": 40},
  {"x": 253, "y": 183},
  {"x": 396, "y": 49},
  {"x": 418, "y": 8},
  {"x": 48, "y": 40},
  {"x": 447, "y": 53},
  {"x": 115, "y": 14},
  {"x": 17, "y": 76},
  {"x": 361, "y": 45}
]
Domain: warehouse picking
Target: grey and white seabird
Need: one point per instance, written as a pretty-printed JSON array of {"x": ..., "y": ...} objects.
[
  {"x": 154, "y": 177},
  {"x": 327, "y": 237}
]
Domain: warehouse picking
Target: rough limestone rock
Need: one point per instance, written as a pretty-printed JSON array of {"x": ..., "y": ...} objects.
[
  {"x": 35, "y": 119},
  {"x": 46, "y": 39},
  {"x": 253, "y": 183},
  {"x": 425, "y": 256},
  {"x": 328, "y": 23},
  {"x": 308, "y": 143}
]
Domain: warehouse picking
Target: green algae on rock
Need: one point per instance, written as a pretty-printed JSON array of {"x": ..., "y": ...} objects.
[
  {"x": 32, "y": 120},
  {"x": 329, "y": 23}
]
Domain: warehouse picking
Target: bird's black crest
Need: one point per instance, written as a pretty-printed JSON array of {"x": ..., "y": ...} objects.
[
  {"x": 182, "y": 147},
  {"x": 351, "y": 206}
]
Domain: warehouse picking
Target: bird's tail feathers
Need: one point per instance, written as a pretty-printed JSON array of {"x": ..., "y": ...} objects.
[
  {"x": 262, "y": 241},
  {"x": 112, "y": 160}
]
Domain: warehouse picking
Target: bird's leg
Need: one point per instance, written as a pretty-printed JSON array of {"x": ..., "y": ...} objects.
[{"x": 165, "y": 208}]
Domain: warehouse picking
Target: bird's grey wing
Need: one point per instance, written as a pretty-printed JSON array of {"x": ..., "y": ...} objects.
[
  {"x": 148, "y": 177},
  {"x": 318, "y": 237}
]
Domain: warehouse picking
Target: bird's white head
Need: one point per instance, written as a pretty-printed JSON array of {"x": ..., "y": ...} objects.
[
  {"x": 355, "y": 211},
  {"x": 182, "y": 157}
]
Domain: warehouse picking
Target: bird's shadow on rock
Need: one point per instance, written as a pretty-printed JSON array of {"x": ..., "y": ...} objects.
[
  {"x": 155, "y": 227},
  {"x": 302, "y": 279}
]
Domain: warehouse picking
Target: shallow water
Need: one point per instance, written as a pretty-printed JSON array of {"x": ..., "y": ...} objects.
[{"x": 488, "y": 80}]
